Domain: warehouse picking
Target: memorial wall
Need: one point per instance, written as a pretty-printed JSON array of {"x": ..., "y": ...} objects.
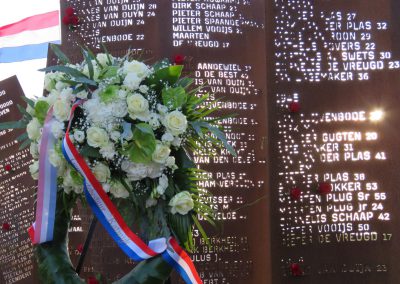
[{"x": 312, "y": 195}]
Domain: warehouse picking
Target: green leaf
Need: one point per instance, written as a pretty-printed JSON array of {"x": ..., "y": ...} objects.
[
  {"x": 78, "y": 75},
  {"x": 24, "y": 112},
  {"x": 89, "y": 63},
  {"x": 12, "y": 125},
  {"x": 41, "y": 109},
  {"x": 28, "y": 101},
  {"x": 89, "y": 152},
  {"x": 109, "y": 94},
  {"x": 109, "y": 72},
  {"x": 107, "y": 53},
  {"x": 63, "y": 58},
  {"x": 180, "y": 226},
  {"x": 161, "y": 64},
  {"x": 174, "y": 98},
  {"x": 25, "y": 144},
  {"x": 201, "y": 229},
  {"x": 185, "y": 82},
  {"x": 144, "y": 144},
  {"x": 22, "y": 137},
  {"x": 168, "y": 75}
]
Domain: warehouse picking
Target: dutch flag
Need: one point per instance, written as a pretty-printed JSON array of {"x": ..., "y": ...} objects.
[{"x": 26, "y": 28}]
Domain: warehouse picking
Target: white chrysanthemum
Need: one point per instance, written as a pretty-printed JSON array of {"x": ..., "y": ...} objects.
[
  {"x": 115, "y": 135},
  {"x": 50, "y": 80},
  {"x": 34, "y": 150},
  {"x": 57, "y": 128},
  {"x": 139, "y": 68},
  {"x": 167, "y": 137},
  {"x": 138, "y": 171},
  {"x": 108, "y": 151},
  {"x": 170, "y": 162},
  {"x": 55, "y": 159},
  {"x": 119, "y": 108},
  {"x": 106, "y": 187},
  {"x": 161, "y": 153},
  {"x": 101, "y": 172},
  {"x": 150, "y": 202},
  {"x": 61, "y": 85},
  {"x": 175, "y": 122},
  {"x": 162, "y": 109},
  {"x": 79, "y": 136},
  {"x": 61, "y": 109},
  {"x": 154, "y": 121},
  {"x": 176, "y": 142},
  {"x": 122, "y": 94},
  {"x": 34, "y": 170},
  {"x": 82, "y": 95},
  {"x": 144, "y": 89},
  {"x": 33, "y": 129},
  {"x": 132, "y": 81},
  {"x": 103, "y": 59},
  {"x": 138, "y": 107},
  {"x": 162, "y": 184},
  {"x": 67, "y": 95},
  {"x": 118, "y": 190},
  {"x": 97, "y": 137}
]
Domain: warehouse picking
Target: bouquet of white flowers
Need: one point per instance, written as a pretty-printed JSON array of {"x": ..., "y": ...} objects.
[{"x": 116, "y": 129}]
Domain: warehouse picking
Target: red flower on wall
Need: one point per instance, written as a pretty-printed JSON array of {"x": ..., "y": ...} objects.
[
  {"x": 6, "y": 227},
  {"x": 92, "y": 280},
  {"x": 179, "y": 59},
  {"x": 324, "y": 188},
  {"x": 8, "y": 168},
  {"x": 79, "y": 248},
  {"x": 294, "y": 107},
  {"x": 70, "y": 19},
  {"x": 296, "y": 270},
  {"x": 295, "y": 193}
]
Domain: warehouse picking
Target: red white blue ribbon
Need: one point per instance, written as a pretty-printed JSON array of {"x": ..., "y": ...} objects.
[
  {"x": 42, "y": 230},
  {"x": 113, "y": 222}
]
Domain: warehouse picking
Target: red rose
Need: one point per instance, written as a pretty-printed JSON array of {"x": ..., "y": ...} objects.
[
  {"x": 179, "y": 59},
  {"x": 79, "y": 248},
  {"x": 74, "y": 20},
  {"x": 69, "y": 11},
  {"x": 295, "y": 269},
  {"x": 295, "y": 193},
  {"x": 6, "y": 226},
  {"x": 8, "y": 168},
  {"x": 66, "y": 20},
  {"x": 294, "y": 107},
  {"x": 92, "y": 280},
  {"x": 324, "y": 188}
]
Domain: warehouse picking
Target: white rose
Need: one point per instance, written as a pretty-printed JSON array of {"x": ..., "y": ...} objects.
[
  {"x": 55, "y": 159},
  {"x": 33, "y": 129},
  {"x": 154, "y": 170},
  {"x": 118, "y": 190},
  {"x": 103, "y": 59},
  {"x": 132, "y": 81},
  {"x": 134, "y": 171},
  {"x": 181, "y": 203},
  {"x": 79, "y": 136},
  {"x": 136, "y": 67},
  {"x": 106, "y": 187},
  {"x": 34, "y": 150},
  {"x": 57, "y": 128},
  {"x": 138, "y": 107},
  {"x": 101, "y": 172},
  {"x": 97, "y": 137},
  {"x": 34, "y": 170},
  {"x": 66, "y": 94},
  {"x": 162, "y": 184},
  {"x": 175, "y": 122},
  {"x": 61, "y": 109},
  {"x": 161, "y": 153},
  {"x": 167, "y": 137}
]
